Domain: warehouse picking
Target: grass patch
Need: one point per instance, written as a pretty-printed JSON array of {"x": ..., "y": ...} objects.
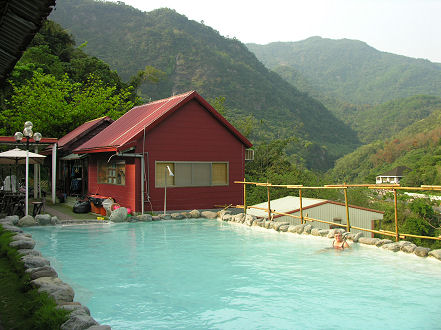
[{"x": 23, "y": 307}]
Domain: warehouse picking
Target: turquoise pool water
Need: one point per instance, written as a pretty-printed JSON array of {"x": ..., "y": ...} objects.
[{"x": 209, "y": 274}]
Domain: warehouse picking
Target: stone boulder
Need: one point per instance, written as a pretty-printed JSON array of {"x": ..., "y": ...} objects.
[
  {"x": 249, "y": 219},
  {"x": 436, "y": 254},
  {"x": 300, "y": 228},
  {"x": 11, "y": 228},
  {"x": 144, "y": 217},
  {"x": 255, "y": 223},
  {"x": 21, "y": 236},
  {"x": 354, "y": 237},
  {"x": 100, "y": 327},
  {"x": 276, "y": 225},
  {"x": 382, "y": 242},
  {"x": 31, "y": 261},
  {"x": 55, "y": 288},
  {"x": 165, "y": 216},
  {"x": 240, "y": 218},
  {"x": 408, "y": 248},
  {"x": 307, "y": 229},
  {"x": 315, "y": 232},
  {"x": 131, "y": 218},
  {"x": 421, "y": 251},
  {"x": 220, "y": 214},
  {"x": 156, "y": 218},
  {"x": 27, "y": 243},
  {"x": 195, "y": 214},
  {"x": 394, "y": 247},
  {"x": 283, "y": 228},
  {"x": 74, "y": 306},
  {"x": 45, "y": 271},
  {"x": 43, "y": 219},
  {"x": 324, "y": 232},
  {"x": 118, "y": 215},
  {"x": 292, "y": 228},
  {"x": 402, "y": 243},
  {"x": 27, "y": 221},
  {"x": 25, "y": 252},
  {"x": 368, "y": 240},
  {"x": 177, "y": 216},
  {"x": 78, "y": 320},
  {"x": 227, "y": 217},
  {"x": 209, "y": 214},
  {"x": 6, "y": 222},
  {"x": 12, "y": 219},
  {"x": 55, "y": 221},
  {"x": 268, "y": 224}
]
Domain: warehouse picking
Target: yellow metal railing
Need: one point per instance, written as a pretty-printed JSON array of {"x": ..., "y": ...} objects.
[{"x": 347, "y": 226}]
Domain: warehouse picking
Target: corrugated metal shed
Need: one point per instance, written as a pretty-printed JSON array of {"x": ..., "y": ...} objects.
[
  {"x": 320, "y": 209},
  {"x": 20, "y": 20},
  {"x": 129, "y": 127},
  {"x": 286, "y": 204}
]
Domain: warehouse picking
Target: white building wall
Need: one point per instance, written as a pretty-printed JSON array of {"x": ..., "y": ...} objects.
[{"x": 329, "y": 211}]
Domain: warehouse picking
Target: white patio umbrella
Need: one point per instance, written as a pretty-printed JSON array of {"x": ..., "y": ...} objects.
[{"x": 17, "y": 156}]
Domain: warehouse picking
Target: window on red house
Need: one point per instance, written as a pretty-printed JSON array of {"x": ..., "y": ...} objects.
[
  {"x": 112, "y": 173},
  {"x": 192, "y": 174}
]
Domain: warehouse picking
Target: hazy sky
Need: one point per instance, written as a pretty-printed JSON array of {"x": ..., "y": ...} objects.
[{"x": 406, "y": 27}]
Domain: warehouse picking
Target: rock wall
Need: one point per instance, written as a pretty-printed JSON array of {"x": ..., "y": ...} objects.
[
  {"x": 308, "y": 229},
  {"x": 45, "y": 278}
]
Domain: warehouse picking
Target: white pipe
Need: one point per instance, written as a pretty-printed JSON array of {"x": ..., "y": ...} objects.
[
  {"x": 54, "y": 172},
  {"x": 27, "y": 184},
  {"x": 36, "y": 175},
  {"x": 142, "y": 184},
  {"x": 165, "y": 191}
]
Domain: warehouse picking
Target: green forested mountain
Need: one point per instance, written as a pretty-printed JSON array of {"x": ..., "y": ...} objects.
[
  {"x": 194, "y": 56},
  {"x": 388, "y": 119},
  {"x": 350, "y": 70},
  {"x": 418, "y": 147}
]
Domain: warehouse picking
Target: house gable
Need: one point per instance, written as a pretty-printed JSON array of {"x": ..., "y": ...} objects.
[{"x": 124, "y": 132}]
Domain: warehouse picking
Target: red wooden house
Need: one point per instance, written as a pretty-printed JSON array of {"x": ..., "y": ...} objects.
[
  {"x": 128, "y": 160},
  {"x": 72, "y": 168}
]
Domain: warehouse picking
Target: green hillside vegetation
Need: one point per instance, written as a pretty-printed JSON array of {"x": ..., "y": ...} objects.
[
  {"x": 58, "y": 87},
  {"x": 417, "y": 147},
  {"x": 386, "y": 120},
  {"x": 194, "y": 56},
  {"x": 350, "y": 70}
]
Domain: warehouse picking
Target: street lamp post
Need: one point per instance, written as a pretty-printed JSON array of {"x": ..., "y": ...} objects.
[
  {"x": 166, "y": 170},
  {"x": 27, "y": 133}
]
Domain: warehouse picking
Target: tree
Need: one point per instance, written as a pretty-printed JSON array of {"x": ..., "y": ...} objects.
[{"x": 56, "y": 106}]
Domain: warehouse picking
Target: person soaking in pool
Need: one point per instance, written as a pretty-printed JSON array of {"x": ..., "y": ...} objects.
[{"x": 339, "y": 242}]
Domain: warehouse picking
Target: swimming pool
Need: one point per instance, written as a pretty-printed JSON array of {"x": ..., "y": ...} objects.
[{"x": 197, "y": 274}]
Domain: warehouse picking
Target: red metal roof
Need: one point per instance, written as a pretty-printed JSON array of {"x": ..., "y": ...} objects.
[
  {"x": 11, "y": 140},
  {"x": 130, "y": 126},
  {"x": 81, "y": 130}
]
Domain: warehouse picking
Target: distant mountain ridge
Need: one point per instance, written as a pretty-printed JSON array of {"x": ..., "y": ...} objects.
[
  {"x": 350, "y": 70},
  {"x": 196, "y": 57}
]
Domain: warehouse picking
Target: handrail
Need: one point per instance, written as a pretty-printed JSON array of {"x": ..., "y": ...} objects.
[{"x": 344, "y": 186}]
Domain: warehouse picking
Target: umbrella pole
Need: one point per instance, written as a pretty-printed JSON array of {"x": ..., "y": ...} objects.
[
  {"x": 16, "y": 175},
  {"x": 27, "y": 183}
]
